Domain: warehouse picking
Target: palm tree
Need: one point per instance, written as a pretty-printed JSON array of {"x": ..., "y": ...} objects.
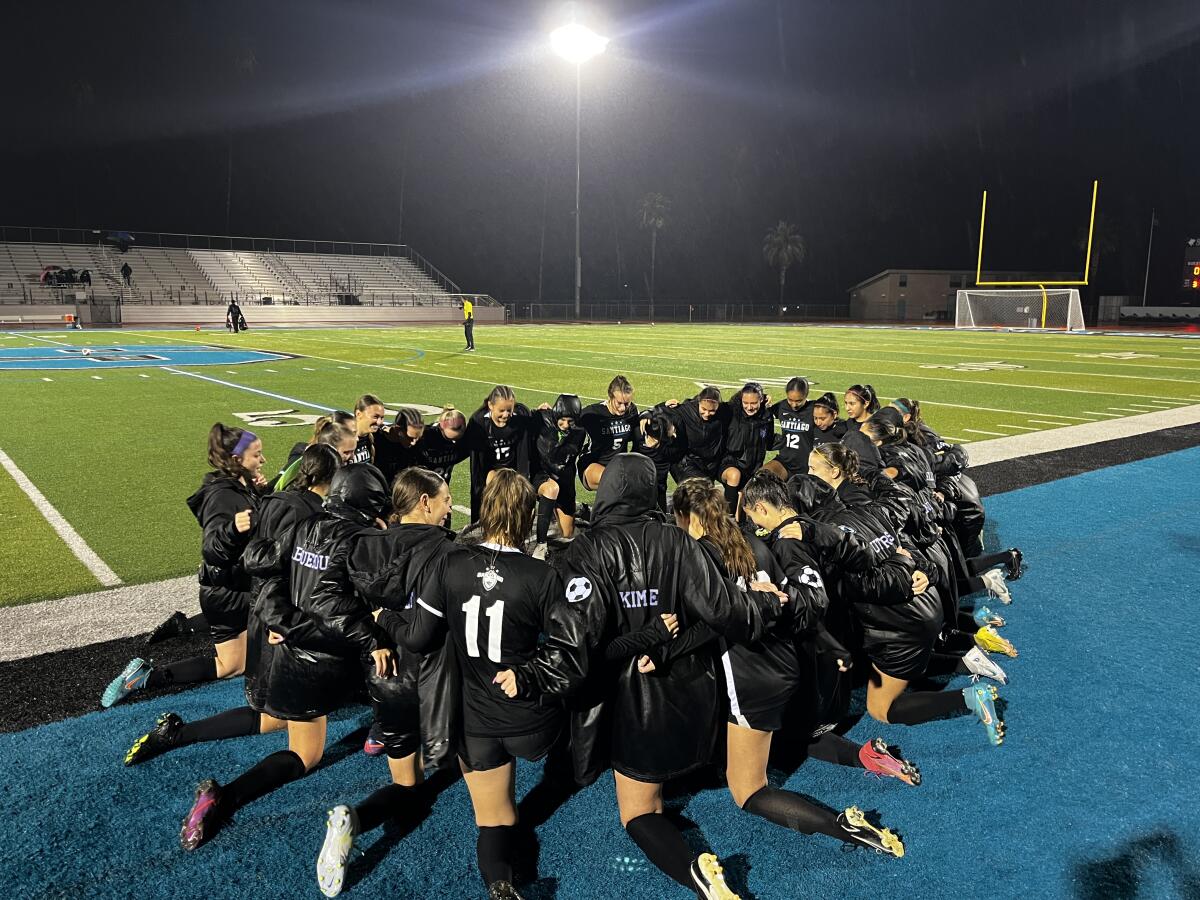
[
  {"x": 784, "y": 247},
  {"x": 652, "y": 214}
]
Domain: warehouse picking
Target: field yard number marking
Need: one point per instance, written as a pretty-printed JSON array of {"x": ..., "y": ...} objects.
[
  {"x": 767, "y": 383},
  {"x": 286, "y": 418},
  {"x": 997, "y": 365}
]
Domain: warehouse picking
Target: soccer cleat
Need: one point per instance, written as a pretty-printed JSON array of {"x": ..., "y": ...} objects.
[
  {"x": 1016, "y": 566},
  {"x": 339, "y": 841},
  {"x": 503, "y": 890},
  {"x": 373, "y": 745},
  {"x": 709, "y": 879},
  {"x": 979, "y": 699},
  {"x": 158, "y": 740},
  {"x": 175, "y": 626},
  {"x": 994, "y": 582},
  {"x": 859, "y": 831},
  {"x": 979, "y": 664},
  {"x": 984, "y": 617},
  {"x": 201, "y": 822},
  {"x": 132, "y": 679},
  {"x": 878, "y": 758},
  {"x": 989, "y": 639}
]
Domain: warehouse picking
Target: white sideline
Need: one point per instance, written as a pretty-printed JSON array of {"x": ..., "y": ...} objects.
[
  {"x": 70, "y": 536},
  {"x": 1020, "y": 445},
  {"x": 68, "y": 622}
]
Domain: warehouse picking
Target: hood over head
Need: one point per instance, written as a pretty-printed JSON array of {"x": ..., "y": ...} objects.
[
  {"x": 358, "y": 493},
  {"x": 628, "y": 489}
]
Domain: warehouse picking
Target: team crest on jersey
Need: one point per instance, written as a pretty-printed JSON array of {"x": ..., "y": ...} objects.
[
  {"x": 578, "y": 589},
  {"x": 490, "y": 577}
]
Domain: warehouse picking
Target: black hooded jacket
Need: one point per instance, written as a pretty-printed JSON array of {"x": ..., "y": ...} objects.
[
  {"x": 309, "y": 600},
  {"x": 557, "y": 451},
  {"x": 627, "y": 570},
  {"x": 747, "y": 438},
  {"x": 703, "y": 441},
  {"x": 224, "y": 584}
]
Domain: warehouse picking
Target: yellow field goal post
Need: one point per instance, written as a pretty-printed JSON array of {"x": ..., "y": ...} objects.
[{"x": 1024, "y": 304}]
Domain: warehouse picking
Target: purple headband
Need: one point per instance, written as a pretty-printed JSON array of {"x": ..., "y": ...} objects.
[{"x": 244, "y": 442}]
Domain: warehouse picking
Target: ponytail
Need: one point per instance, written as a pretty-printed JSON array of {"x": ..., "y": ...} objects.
[
  {"x": 226, "y": 443},
  {"x": 866, "y": 394},
  {"x": 839, "y": 456},
  {"x": 318, "y": 464},
  {"x": 703, "y": 499}
]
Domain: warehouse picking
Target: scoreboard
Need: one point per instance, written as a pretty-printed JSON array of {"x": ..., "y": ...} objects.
[{"x": 1191, "y": 265}]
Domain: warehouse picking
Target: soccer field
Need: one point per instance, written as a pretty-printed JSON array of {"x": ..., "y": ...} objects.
[{"x": 115, "y": 440}]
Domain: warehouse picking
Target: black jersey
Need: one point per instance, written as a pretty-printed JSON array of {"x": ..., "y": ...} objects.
[
  {"x": 392, "y": 456},
  {"x": 496, "y": 603},
  {"x": 795, "y": 435},
  {"x": 364, "y": 450},
  {"x": 437, "y": 452},
  {"x": 608, "y": 434},
  {"x": 493, "y": 447},
  {"x": 833, "y": 435}
]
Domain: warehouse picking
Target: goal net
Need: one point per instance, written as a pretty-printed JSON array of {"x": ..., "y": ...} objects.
[{"x": 1052, "y": 308}]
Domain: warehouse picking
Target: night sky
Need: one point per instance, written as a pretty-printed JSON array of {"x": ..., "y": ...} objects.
[{"x": 873, "y": 126}]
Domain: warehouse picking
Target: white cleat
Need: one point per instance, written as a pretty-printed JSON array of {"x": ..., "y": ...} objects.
[
  {"x": 339, "y": 841},
  {"x": 980, "y": 664},
  {"x": 996, "y": 586}
]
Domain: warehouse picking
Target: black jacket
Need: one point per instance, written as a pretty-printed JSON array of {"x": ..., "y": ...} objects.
[
  {"x": 224, "y": 583},
  {"x": 747, "y": 438},
  {"x": 389, "y": 569},
  {"x": 703, "y": 441},
  {"x": 557, "y": 451},
  {"x": 309, "y": 600},
  {"x": 627, "y": 569},
  {"x": 497, "y": 448}
]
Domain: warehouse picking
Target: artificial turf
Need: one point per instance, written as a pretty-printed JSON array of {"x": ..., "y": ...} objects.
[
  {"x": 121, "y": 449},
  {"x": 1088, "y": 798}
]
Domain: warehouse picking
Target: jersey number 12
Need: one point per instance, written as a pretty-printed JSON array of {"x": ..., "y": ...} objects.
[{"x": 495, "y": 612}]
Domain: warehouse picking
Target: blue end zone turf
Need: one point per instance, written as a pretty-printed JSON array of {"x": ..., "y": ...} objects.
[
  {"x": 116, "y": 356},
  {"x": 1089, "y": 796}
]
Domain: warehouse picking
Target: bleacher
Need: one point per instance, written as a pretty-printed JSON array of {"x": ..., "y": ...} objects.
[{"x": 193, "y": 275}]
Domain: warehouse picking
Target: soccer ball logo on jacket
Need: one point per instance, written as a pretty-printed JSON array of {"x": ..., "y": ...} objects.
[{"x": 578, "y": 589}]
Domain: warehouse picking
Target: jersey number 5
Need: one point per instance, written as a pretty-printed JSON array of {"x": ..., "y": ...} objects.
[{"x": 495, "y": 612}]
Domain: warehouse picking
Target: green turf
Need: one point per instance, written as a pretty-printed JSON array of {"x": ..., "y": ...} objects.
[
  {"x": 119, "y": 455},
  {"x": 29, "y": 542}
]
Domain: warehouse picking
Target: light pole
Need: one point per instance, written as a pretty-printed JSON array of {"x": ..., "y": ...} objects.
[{"x": 577, "y": 44}]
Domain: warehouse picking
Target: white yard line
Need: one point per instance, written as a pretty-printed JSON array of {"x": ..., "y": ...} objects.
[
  {"x": 1124, "y": 409},
  {"x": 461, "y": 509},
  {"x": 1018, "y": 427},
  {"x": 242, "y": 387},
  {"x": 34, "y": 337},
  {"x": 62, "y": 527},
  {"x": 992, "y": 433},
  {"x": 1055, "y": 424},
  {"x": 1107, "y": 415}
]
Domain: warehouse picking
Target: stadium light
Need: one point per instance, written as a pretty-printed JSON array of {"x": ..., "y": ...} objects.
[{"x": 577, "y": 44}]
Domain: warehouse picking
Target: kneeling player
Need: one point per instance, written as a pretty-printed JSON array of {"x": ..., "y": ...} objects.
[
  {"x": 559, "y": 444},
  {"x": 610, "y": 428}
]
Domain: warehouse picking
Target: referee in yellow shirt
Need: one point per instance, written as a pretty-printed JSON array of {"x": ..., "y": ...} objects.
[{"x": 468, "y": 309}]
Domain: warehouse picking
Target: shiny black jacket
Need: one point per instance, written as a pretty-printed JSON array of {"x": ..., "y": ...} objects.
[
  {"x": 388, "y": 569},
  {"x": 627, "y": 570},
  {"x": 224, "y": 582},
  {"x": 308, "y": 598},
  {"x": 747, "y": 438},
  {"x": 557, "y": 451},
  {"x": 695, "y": 437}
]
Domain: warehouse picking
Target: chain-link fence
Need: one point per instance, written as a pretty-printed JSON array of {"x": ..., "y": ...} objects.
[{"x": 615, "y": 311}]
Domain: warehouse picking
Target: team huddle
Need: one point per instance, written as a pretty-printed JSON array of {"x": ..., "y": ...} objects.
[{"x": 654, "y": 633}]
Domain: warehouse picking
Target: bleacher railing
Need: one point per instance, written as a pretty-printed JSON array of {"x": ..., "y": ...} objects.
[
  {"x": 638, "y": 312},
  {"x": 32, "y": 234},
  {"x": 51, "y": 296}
]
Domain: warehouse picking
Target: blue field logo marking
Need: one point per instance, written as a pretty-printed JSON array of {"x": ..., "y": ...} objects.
[{"x": 116, "y": 356}]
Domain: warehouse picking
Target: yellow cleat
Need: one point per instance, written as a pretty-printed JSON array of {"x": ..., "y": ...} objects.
[
  {"x": 710, "y": 878},
  {"x": 859, "y": 831},
  {"x": 987, "y": 638}
]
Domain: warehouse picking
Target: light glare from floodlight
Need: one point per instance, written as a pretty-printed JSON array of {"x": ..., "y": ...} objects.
[{"x": 577, "y": 43}]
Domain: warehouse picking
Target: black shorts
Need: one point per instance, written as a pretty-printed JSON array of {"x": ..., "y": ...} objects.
[
  {"x": 479, "y": 754},
  {"x": 590, "y": 459},
  {"x": 396, "y": 705},
  {"x": 227, "y": 612},
  {"x": 566, "y": 491},
  {"x": 760, "y": 682},
  {"x": 692, "y": 467}
]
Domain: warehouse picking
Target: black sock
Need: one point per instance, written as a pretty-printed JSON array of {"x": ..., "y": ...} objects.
[
  {"x": 231, "y": 723},
  {"x": 186, "y": 671},
  {"x": 973, "y": 585},
  {"x": 197, "y": 623},
  {"x": 395, "y": 801},
  {"x": 544, "y": 512},
  {"x": 266, "y": 775},
  {"x": 793, "y": 811},
  {"x": 981, "y": 564},
  {"x": 922, "y": 706},
  {"x": 731, "y": 497},
  {"x": 664, "y": 846},
  {"x": 493, "y": 849},
  {"x": 965, "y": 621},
  {"x": 833, "y": 748},
  {"x": 943, "y": 664}
]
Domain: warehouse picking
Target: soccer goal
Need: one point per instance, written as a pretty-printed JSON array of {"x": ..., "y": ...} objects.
[{"x": 1050, "y": 308}]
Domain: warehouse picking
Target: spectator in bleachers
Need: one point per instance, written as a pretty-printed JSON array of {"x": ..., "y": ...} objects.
[
  {"x": 127, "y": 273},
  {"x": 85, "y": 277}
]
